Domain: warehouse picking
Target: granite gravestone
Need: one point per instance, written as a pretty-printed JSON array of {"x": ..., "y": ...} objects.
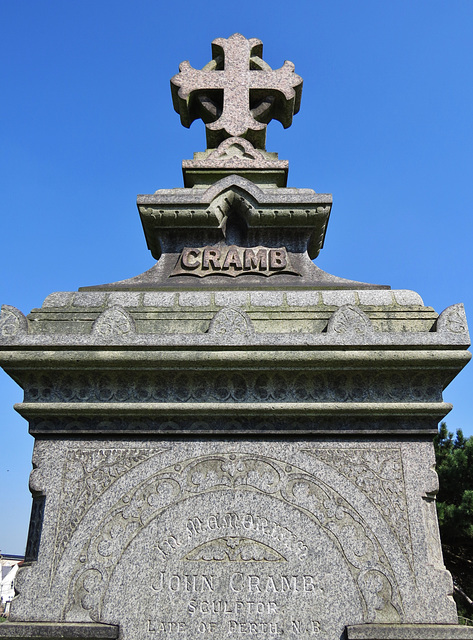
[{"x": 235, "y": 443}]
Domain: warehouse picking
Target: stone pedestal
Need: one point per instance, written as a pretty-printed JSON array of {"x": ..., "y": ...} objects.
[
  {"x": 264, "y": 469},
  {"x": 235, "y": 443}
]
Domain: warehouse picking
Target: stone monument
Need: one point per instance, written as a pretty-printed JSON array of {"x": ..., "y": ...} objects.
[{"x": 234, "y": 444}]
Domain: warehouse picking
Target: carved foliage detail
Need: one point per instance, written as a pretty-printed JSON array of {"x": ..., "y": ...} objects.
[
  {"x": 226, "y": 386},
  {"x": 87, "y": 474},
  {"x": 304, "y": 492},
  {"x": 114, "y": 322},
  {"x": 234, "y": 549},
  {"x": 231, "y": 322},
  {"x": 453, "y": 320},
  {"x": 378, "y": 474},
  {"x": 12, "y": 322},
  {"x": 348, "y": 319}
]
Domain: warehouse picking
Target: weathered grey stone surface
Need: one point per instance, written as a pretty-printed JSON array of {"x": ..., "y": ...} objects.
[
  {"x": 408, "y": 632},
  {"x": 238, "y": 72},
  {"x": 242, "y": 455},
  {"x": 296, "y": 537},
  {"x": 59, "y": 630},
  {"x": 235, "y": 156}
]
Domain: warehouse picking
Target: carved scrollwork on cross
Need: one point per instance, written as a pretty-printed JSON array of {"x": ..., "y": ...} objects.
[{"x": 237, "y": 93}]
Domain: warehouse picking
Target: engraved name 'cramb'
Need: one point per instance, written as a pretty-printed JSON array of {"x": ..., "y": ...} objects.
[{"x": 233, "y": 261}]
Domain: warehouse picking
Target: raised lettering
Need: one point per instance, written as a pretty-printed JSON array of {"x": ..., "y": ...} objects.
[
  {"x": 258, "y": 261},
  {"x": 211, "y": 257},
  {"x": 289, "y": 584},
  {"x": 297, "y": 626},
  {"x": 207, "y": 583},
  {"x": 232, "y": 259},
  {"x": 277, "y": 259},
  {"x": 194, "y": 526},
  {"x": 229, "y": 521},
  {"x": 308, "y": 583},
  {"x": 168, "y": 545},
  {"x": 174, "y": 583},
  {"x": 158, "y": 585},
  {"x": 270, "y": 584},
  {"x": 188, "y": 258},
  {"x": 314, "y": 626}
]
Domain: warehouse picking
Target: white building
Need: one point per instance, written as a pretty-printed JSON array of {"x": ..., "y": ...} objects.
[{"x": 8, "y": 569}]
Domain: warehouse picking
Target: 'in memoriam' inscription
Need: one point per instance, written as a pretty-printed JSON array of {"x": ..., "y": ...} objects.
[{"x": 233, "y": 261}]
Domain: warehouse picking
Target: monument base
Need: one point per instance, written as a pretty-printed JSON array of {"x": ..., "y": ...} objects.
[
  {"x": 57, "y": 631},
  {"x": 409, "y": 632}
]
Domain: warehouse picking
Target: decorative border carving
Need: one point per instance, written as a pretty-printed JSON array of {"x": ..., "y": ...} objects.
[
  {"x": 378, "y": 474},
  {"x": 240, "y": 425},
  {"x": 308, "y": 494},
  {"x": 230, "y": 321},
  {"x": 86, "y": 475},
  {"x": 12, "y": 322},
  {"x": 114, "y": 322},
  {"x": 235, "y": 386}
]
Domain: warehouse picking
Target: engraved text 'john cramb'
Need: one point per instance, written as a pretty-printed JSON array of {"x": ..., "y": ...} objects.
[{"x": 233, "y": 261}]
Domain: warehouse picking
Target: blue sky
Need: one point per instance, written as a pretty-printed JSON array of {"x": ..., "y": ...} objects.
[{"x": 87, "y": 123}]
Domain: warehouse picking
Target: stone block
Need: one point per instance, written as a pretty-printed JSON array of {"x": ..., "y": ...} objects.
[
  {"x": 159, "y": 299},
  {"x": 89, "y": 299},
  {"x": 338, "y": 298},
  {"x": 276, "y": 538},
  {"x": 407, "y": 298},
  {"x": 231, "y": 298},
  {"x": 57, "y": 631},
  {"x": 58, "y": 299},
  {"x": 124, "y": 298},
  {"x": 302, "y": 298},
  {"x": 267, "y": 298},
  {"x": 194, "y": 299},
  {"x": 409, "y": 632},
  {"x": 375, "y": 297}
]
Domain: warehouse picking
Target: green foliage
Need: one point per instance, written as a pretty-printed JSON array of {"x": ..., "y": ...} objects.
[
  {"x": 455, "y": 512},
  {"x": 455, "y": 497}
]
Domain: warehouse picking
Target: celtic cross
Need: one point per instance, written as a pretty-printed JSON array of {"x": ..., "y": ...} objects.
[{"x": 237, "y": 93}]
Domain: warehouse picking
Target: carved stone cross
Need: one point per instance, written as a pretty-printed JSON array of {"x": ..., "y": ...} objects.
[{"x": 237, "y": 93}]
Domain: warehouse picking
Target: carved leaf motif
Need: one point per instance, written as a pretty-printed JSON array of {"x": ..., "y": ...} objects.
[
  {"x": 378, "y": 474},
  {"x": 453, "y": 320},
  {"x": 239, "y": 147},
  {"x": 234, "y": 549},
  {"x": 113, "y": 322},
  {"x": 86, "y": 476},
  {"x": 377, "y": 592},
  {"x": 348, "y": 319},
  {"x": 12, "y": 322},
  {"x": 231, "y": 322}
]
